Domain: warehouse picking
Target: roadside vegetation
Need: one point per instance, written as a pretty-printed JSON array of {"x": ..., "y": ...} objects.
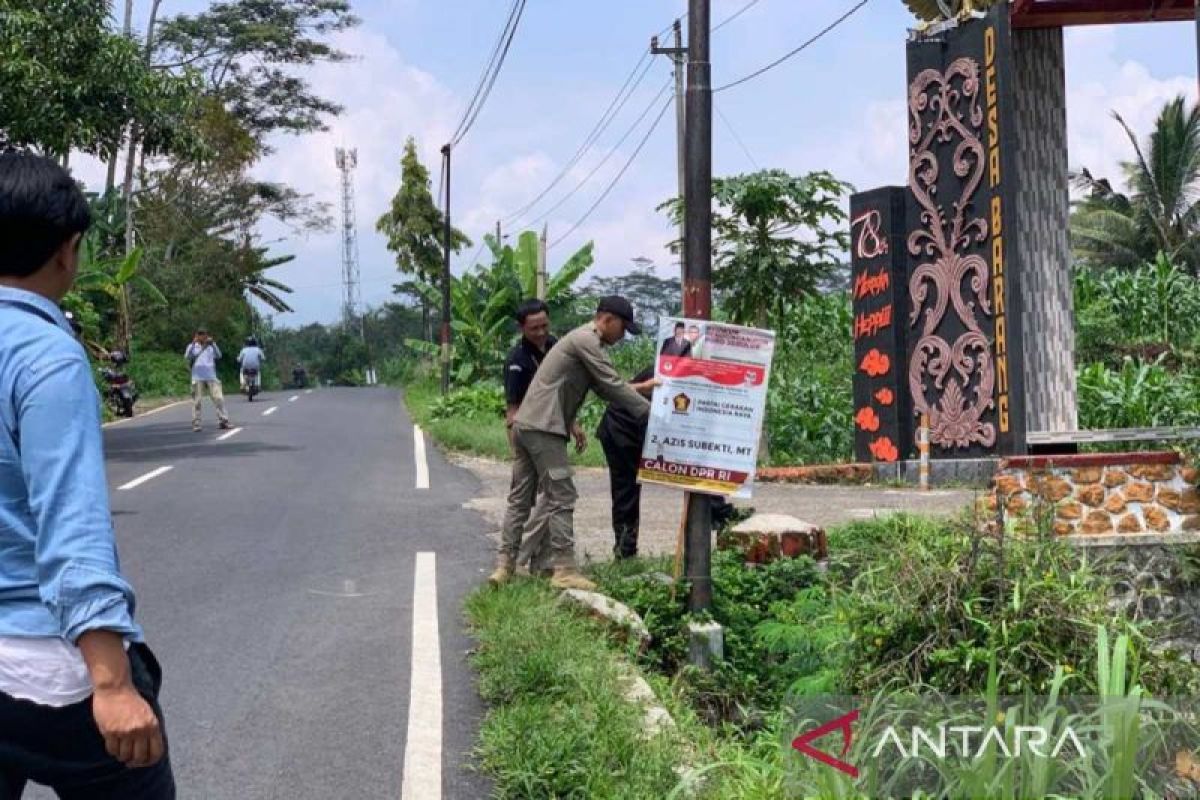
[{"x": 908, "y": 607}]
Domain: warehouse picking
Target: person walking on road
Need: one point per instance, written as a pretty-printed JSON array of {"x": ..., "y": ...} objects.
[
  {"x": 577, "y": 364},
  {"x": 202, "y": 354},
  {"x": 533, "y": 318},
  {"x": 78, "y": 687}
]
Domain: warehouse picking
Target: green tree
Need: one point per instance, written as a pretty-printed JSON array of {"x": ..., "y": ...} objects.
[
  {"x": 652, "y": 297},
  {"x": 70, "y": 83},
  {"x": 250, "y": 53},
  {"x": 1160, "y": 212},
  {"x": 776, "y": 237},
  {"x": 414, "y": 226}
]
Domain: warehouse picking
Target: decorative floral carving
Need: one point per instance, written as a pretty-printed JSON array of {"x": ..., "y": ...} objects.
[{"x": 953, "y": 382}]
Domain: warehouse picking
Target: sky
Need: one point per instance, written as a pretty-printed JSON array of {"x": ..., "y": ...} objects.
[{"x": 838, "y": 106}]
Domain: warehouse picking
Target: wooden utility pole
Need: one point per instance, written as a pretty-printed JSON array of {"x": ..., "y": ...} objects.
[
  {"x": 541, "y": 263},
  {"x": 697, "y": 259},
  {"x": 678, "y": 55},
  {"x": 446, "y": 242}
]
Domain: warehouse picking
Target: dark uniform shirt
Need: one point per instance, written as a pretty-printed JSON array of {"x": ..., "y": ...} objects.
[
  {"x": 621, "y": 427},
  {"x": 520, "y": 367}
]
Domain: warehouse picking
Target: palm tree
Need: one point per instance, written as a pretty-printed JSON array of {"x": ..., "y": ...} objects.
[{"x": 1160, "y": 213}]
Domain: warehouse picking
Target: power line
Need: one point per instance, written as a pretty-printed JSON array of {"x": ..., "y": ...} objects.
[
  {"x": 629, "y": 132},
  {"x": 610, "y": 114},
  {"x": 816, "y": 38},
  {"x": 736, "y": 14},
  {"x": 734, "y": 134},
  {"x": 491, "y": 72},
  {"x": 620, "y": 175}
]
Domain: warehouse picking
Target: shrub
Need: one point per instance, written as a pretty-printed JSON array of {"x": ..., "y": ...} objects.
[{"x": 483, "y": 401}]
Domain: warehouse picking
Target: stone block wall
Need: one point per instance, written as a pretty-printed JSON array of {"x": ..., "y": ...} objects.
[{"x": 1122, "y": 494}]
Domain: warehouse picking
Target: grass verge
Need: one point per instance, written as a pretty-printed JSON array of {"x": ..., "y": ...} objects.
[
  {"x": 474, "y": 436},
  {"x": 558, "y": 726}
]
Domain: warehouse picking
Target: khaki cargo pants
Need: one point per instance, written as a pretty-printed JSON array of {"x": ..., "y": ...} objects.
[
  {"x": 215, "y": 393},
  {"x": 540, "y": 464}
]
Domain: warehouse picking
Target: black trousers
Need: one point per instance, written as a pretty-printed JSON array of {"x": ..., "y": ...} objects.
[
  {"x": 62, "y": 748},
  {"x": 626, "y": 494}
]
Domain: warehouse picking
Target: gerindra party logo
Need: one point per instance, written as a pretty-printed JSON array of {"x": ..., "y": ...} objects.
[{"x": 683, "y": 404}]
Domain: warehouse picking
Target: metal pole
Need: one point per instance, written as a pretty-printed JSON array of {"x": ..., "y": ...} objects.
[
  {"x": 1198, "y": 44},
  {"x": 697, "y": 254},
  {"x": 446, "y": 279},
  {"x": 681, "y": 145}
]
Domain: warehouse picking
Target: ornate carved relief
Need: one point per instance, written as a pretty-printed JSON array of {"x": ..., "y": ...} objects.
[{"x": 952, "y": 381}]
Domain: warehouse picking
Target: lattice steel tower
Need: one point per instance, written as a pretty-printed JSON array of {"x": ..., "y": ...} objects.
[{"x": 347, "y": 162}]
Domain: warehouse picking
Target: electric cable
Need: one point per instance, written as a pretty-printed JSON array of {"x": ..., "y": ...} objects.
[
  {"x": 488, "y": 81},
  {"x": 614, "y": 108},
  {"x": 734, "y": 134},
  {"x": 629, "y": 132},
  {"x": 736, "y": 14},
  {"x": 811, "y": 41},
  {"x": 619, "y": 175}
]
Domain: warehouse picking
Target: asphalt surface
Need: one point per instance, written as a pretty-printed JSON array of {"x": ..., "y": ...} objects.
[{"x": 275, "y": 579}]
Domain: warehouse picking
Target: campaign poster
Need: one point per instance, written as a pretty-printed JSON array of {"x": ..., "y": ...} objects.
[{"x": 706, "y": 417}]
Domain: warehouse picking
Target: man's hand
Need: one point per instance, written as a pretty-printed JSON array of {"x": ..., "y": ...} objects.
[
  {"x": 581, "y": 440},
  {"x": 647, "y": 387},
  {"x": 130, "y": 729}
]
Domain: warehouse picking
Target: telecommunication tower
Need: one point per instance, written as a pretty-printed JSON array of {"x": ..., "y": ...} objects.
[{"x": 347, "y": 162}]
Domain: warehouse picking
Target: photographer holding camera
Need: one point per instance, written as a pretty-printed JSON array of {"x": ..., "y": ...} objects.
[{"x": 202, "y": 354}]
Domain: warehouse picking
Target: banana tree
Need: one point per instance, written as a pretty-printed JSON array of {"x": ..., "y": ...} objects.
[
  {"x": 115, "y": 277},
  {"x": 525, "y": 263}
]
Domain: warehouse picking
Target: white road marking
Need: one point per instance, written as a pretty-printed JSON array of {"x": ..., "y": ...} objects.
[
  {"x": 421, "y": 458},
  {"x": 308, "y": 391},
  {"x": 270, "y": 411},
  {"x": 293, "y": 398},
  {"x": 423, "y": 751},
  {"x": 229, "y": 435},
  {"x": 149, "y": 413},
  {"x": 149, "y": 476}
]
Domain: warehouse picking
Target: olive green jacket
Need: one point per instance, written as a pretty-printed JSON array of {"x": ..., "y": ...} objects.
[{"x": 579, "y": 362}]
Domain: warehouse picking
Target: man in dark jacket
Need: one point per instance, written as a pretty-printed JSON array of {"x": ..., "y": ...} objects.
[{"x": 622, "y": 436}]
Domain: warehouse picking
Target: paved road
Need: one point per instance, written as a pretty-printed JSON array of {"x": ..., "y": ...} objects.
[{"x": 275, "y": 572}]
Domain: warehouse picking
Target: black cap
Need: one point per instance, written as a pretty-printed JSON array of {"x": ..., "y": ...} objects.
[{"x": 619, "y": 306}]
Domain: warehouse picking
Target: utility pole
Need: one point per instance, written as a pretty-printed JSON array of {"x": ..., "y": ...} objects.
[
  {"x": 498, "y": 240},
  {"x": 697, "y": 259},
  {"x": 446, "y": 240},
  {"x": 678, "y": 55},
  {"x": 541, "y": 262},
  {"x": 1198, "y": 44}
]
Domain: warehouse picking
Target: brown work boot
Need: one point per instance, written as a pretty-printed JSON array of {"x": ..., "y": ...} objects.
[
  {"x": 503, "y": 572},
  {"x": 570, "y": 578}
]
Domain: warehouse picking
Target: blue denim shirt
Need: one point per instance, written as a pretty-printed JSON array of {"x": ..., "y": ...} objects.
[{"x": 59, "y": 574}]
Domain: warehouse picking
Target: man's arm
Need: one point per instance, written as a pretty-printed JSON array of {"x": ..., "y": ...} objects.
[
  {"x": 607, "y": 382},
  {"x": 62, "y": 458},
  {"x": 62, "y": 462}
]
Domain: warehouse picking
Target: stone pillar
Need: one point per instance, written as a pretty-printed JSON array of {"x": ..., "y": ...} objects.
[{"x": 1043, "y": 217}]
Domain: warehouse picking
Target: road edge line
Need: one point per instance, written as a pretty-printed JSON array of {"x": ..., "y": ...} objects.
[
  {"x": 421, "y": 778},
  {"x": 421, "y": 457}
]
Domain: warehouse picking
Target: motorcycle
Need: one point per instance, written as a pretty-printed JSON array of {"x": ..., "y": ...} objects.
[
  {"x": 250, "y": 376},
  {"x": 121, "y": 393},
  {"x": 299, "y": 378}
]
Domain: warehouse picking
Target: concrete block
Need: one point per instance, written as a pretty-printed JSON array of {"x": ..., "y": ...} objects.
[{"x": 706, "y": 644}]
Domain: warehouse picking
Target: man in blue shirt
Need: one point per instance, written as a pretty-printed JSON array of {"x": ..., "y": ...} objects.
[{"x": 78, "y": 687}]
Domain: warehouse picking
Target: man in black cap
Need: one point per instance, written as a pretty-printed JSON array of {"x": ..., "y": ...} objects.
[
  {"x": 533, "y": 318},
  {"x": 542, "y": 428}
]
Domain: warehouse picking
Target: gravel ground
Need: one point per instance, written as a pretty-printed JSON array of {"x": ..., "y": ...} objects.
[{"x": 662, "y": 507}]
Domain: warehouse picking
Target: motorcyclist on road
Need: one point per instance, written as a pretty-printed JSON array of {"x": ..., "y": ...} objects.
[{"x": 251, "y": 358}]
